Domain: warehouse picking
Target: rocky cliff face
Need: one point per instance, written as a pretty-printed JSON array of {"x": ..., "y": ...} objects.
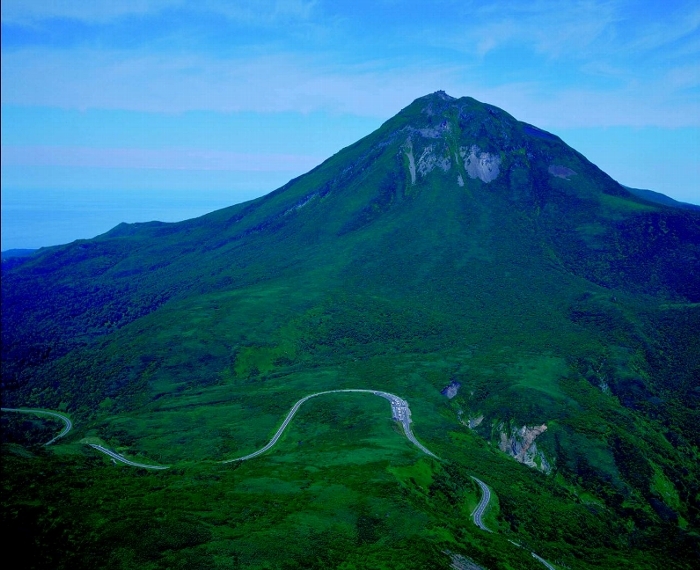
[{"x": 520, "y": 444}]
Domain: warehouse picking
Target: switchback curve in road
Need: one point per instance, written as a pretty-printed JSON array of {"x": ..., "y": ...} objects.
[
  {"x": 481, "y": 507},
  {"x": 399, "y": 407},
  {"x": 65, "y": 419}
]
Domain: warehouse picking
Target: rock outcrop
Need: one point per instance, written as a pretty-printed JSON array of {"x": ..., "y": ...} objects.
[
  {"x": 520, "y": 445},
  {"x": 561, "y": 171},
  {"x": 451, "y": 389},
  {"x": 481, "y": 165}
]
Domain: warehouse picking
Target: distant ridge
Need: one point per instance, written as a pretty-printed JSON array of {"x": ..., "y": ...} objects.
[
  {"x": 14, "y": 257},
  {"x": 659, "y": 198},
  {"x": 10, "y": 253}
]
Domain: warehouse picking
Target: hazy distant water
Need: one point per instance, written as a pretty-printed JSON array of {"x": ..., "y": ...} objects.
[{"x": 38, "y": 218}]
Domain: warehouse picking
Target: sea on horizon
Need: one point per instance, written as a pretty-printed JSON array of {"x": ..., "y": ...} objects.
[{"x": 33, "y": 219}]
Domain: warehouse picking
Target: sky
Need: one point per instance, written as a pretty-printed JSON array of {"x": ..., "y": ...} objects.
[{"x": 134, "y": 110}]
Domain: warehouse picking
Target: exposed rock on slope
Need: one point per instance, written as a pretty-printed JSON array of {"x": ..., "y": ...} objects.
[
  {"x": 522, "y": 447},
  {"x": 481, "y": 165},
  {"x": 561, "y": 171},
  {"x": 451, "y": 389}
]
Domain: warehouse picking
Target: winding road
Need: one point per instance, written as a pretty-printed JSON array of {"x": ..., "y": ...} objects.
[
  {"x": 479, "y": 511},
  {"x": 400, "y": 412},
  {"x": 481, "y": 507},
  {"x": 399, "y": 408},
  {"x": 64, "y": 419}
]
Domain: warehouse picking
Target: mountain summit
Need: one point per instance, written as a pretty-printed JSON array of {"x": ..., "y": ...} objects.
[{"x": 540, "y": 319}]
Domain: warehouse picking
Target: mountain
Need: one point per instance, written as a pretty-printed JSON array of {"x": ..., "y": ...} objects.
[{"x": 539, "y": 318}]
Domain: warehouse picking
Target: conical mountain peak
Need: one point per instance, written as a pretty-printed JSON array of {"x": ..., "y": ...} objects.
[{"x": 472, "y": 139}]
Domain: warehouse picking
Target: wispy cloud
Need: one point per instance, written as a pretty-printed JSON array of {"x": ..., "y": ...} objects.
[
  {"x": 100, "y": 11},
  {"x": 282, "y": 83},
  {"x": 683, "y": 77},
  {"x": 161, "y": 159},
  {"x": 558, "y": 64},
  {"x": 680, "y": 23},
  {"x": 26, "y": 12},
  {"x": 261, "y": 11},
  {"x": 276, "y": 83},
  {"x": 552, "y": 29}
]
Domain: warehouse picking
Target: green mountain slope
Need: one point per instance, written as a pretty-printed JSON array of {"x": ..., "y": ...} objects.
[{"x": 453, "y": 246}]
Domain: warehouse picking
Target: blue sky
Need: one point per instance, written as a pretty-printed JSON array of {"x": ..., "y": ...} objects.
[{"x": 143, "y": 109}]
